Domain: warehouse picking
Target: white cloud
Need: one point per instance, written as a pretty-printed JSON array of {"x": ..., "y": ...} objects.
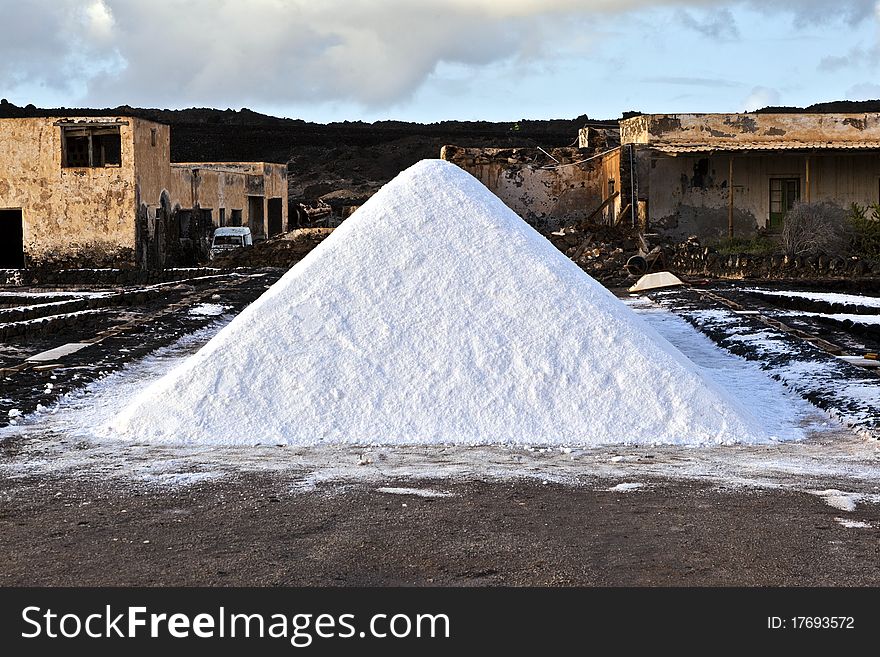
[
  {"x": 370, "y": 52},
  {"x": 864, "y": 91},
  {"x": 716, "y": 24},
  {"x": 761, "y": 97},
  {"x": 98, "y": 20}
]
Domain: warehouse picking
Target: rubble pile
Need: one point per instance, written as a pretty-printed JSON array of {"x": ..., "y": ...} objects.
[
  {"x": 283, "y": 251},
  {"x": 601, "y": 251}
]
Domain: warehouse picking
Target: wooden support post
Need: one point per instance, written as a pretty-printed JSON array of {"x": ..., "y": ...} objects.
[
  {"x": 807, "y": 181},
  {"x": 730, "y": 198}
]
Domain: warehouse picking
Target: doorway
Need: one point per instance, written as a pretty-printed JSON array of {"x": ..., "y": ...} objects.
[
  {"x": 784, "y": 193},
  {"x": 276, "y": 221},
  {"x": 11, "y": 240},
  {"x": 255, "y": 216}
]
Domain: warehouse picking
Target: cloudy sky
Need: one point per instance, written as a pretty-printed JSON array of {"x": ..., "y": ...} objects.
[{"x": 428, "y": 60}]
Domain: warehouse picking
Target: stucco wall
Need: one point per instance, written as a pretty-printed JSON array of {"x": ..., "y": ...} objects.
[
  {"x": 152, "y": 163},
  {"x": 228, "y": 185},
  {"x": 71, "y": 216}
]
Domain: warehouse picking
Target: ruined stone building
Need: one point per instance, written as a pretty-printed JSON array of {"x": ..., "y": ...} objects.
[
  {"x": 709, "y": 175},
  {"x": 551, "y": 189},
  {"x": 102, "y": 192}
]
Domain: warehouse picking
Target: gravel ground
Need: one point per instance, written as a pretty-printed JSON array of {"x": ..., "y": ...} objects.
[{"x": 246, "y": 532}]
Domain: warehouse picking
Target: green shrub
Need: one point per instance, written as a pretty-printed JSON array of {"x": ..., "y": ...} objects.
[
  {"x": 758, "y": 245},
  {"x": 865, "y": 224}
]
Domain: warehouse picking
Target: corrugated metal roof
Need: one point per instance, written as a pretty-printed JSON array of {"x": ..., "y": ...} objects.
[{"x": 684, "y": 149}]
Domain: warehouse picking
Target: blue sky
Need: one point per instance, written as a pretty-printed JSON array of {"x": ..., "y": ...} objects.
[{"x": 429, "y": 60}]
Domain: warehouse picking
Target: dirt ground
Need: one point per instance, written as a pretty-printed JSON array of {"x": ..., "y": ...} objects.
[{"x": 249, "y": 531}]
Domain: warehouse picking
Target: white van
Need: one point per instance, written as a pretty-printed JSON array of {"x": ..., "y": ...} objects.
[{"x": 230, "y": 237}]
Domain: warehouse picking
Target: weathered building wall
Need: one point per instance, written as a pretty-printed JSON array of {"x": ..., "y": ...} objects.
[
  {"x": 546, "y": 197},
  {"x": 152, "y": 160},
  {"x": 689, "y": 195},
  {"x": 246, "y": 187},
  {"x": 70, "y": 216},
  {"x": 156, "y": 234},
  {"x": 683, "y": 165},
  {"x": 749, "y": 128},
  {"x": 119, "y": 201}
]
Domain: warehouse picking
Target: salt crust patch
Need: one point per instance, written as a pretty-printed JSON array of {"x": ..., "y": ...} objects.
[
  {"x": 626, "y": 487},
  {"x": 208, "y": 310},
  {"x": 419, "y": 492},
  {"x": 853, "y": 524},
  {"x": 838, "y": 499}
]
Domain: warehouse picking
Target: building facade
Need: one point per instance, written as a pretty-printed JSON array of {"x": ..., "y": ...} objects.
[
  {"x": 713, "y": 175},
  {"x": 102, "y": 192}
]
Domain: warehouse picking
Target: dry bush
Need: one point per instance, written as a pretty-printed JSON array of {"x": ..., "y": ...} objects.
[{"x": 816, "y": 228}]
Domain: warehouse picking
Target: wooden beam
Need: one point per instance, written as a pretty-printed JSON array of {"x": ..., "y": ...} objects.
[
  {"x": 604, "y": 205},
  {"x": 730, "y": 197},
  {"x": 807, "y": 181}
]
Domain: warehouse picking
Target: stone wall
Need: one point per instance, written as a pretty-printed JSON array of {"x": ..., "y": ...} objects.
[{"x": 691, "y": 258}]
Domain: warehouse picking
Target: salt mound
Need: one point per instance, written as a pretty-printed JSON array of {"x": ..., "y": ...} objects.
[{"x": 436, "y": 315}]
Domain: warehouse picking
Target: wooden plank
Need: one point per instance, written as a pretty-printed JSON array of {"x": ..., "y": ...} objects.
[
  {"x": 604, "y": 205},
  {"x": 730, "y": 197}
]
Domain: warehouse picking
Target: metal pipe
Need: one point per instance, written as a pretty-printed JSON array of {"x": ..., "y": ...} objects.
[
  {"x": 548, "y": 155},
  {"x": 632, "y": 185}
]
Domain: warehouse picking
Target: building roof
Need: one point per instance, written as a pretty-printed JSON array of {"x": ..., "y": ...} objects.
[{"x": 763, "y": 146}]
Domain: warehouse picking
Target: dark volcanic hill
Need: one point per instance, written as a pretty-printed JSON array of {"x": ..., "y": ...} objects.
[{"x": 833, "y": 107}]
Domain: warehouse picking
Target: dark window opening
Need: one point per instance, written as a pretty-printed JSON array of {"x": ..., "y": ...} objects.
[
  {"x": 154, "y": 136},
  {"x": 183, "y": 222},
  {"x": 222, "y": 218},
  {"x": 701, "y": 173},
  {"x": 235, "y": 219},
  {"x": 76, "y": 150},
  {"x": 11, "y": 240},
  {"x": 91, "y": 147}
]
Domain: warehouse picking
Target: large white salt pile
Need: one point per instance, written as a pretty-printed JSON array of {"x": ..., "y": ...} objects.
[{"x": 436, "y": 315}]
